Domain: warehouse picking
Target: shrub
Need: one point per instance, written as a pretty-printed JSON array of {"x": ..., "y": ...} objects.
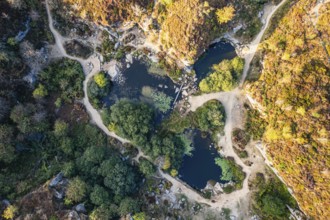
[
  {"x": 76, "y": 190},
  {"x": 230, "y": 171},
  {"x": 225, "y": 14},
  {"x": 224, "y": 76},
  {"x": 101, "y": 80},
  {"x": 40, "y": 92},
  {"x": 160, "y": 100}
]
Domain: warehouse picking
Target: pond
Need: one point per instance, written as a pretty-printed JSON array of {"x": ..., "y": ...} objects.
[
  {"x": 132, "y": 82},
  {"x": 213, "y": 55},
  {"x": 200, "y": 168}
]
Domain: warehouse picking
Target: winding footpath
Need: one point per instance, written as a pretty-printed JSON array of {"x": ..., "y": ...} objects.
[
  {"x": 231, "y": 101},
  {"x": 253, "y": 46},
  {"x": 92, "y": 62}
]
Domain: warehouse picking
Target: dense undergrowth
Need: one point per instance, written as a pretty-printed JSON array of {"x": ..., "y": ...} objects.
[{"x": 293, "y": 90}]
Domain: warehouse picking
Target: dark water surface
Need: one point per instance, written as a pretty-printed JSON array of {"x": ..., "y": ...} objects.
[
  {"x": 200, "y": 168},
  {"x": 135, "y": 78},
  {"x": 214, "y": 55}
]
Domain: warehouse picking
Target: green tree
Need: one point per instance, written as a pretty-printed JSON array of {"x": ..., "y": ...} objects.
[
  {"x": 40, "y": 92},
  {"x": 167, "y": 163},
  {"x": 29, "y": 118},
  {"x": 118, "y": 176},
  {"x": 226, "y": 169},
  {"x": 99, "y": 195},
  {"x": 224, "y": 76},
  {"x": 132, "y": 120},
  {"x": 146, "y": 167},
  {"x": 12, "y": 42},
  {"x": 95, "y": 155},
  {"x": 174, "y": 172},
  {"x": 210, "y": 117},
  {"x": 139, "y": 216},
  {"x": 104, "y": 212},
  {"x": 225, "y": 14},
  {"x": 273, "y": 206},
  {"x": 7, "y": 149},
  {"x": 129, "y": 206},
  {"x": 60, "y": 128},
  {"x": 64, "y": 77},
  {"x": 76, "y": 190}
]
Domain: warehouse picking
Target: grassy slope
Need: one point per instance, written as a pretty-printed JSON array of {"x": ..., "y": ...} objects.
[{"x": 293, "y": 87}]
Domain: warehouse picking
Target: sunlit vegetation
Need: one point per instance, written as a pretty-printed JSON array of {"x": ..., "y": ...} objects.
[
  {"x": 223, "y": 77},
  {"x": 9, "y": 212},
  {"x": 230, "y": 172},
  {"x": 64, "y": 78},
  {"x": 160, "y": 100},
  {"x": 98, "y": 88},
  {"x": 225, "y": 14},
  {"x": 106, "y": 13},
  {"x": 292, "y": 89},
  {"x": 183, "y": 32},
  {"x": 40, "y": 91}
]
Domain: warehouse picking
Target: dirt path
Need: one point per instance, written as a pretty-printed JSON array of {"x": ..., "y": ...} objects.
[
  {"x": 253, "y": 46},
  {"x": 91, "y": 66},
  {"x": 231, "y": 101},
  {"x": 233, "y": 104}
]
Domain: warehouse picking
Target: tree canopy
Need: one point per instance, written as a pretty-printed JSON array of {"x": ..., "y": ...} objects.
[
  {"x": 132, "y": 120},
  {"x": 224, "y": 76},
  {"x": 225, "y": 14}
]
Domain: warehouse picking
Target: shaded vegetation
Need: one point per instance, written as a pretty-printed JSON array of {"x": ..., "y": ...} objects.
[
  {"x": 272, "y": 198},
  {"x": 64, "y": 77},
  {"x": 230, "y": 171},
  {"x": 160, "y": 100}
]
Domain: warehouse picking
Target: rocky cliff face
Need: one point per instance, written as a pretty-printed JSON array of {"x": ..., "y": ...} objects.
[
  {"x": 181, "y": 28},
  {"x": 293, "y": 90}
]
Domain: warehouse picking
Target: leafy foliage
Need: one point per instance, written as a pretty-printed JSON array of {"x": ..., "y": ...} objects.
[
  {"x": 272, "y": 198},
  {"x": 40, "y": 91},
  {"x": 7, "y": 149},
  {"x": 224, "y": 76},
  {"x": 131, "y": 120},
  {"x": 98, "y": 88},
  {"x": 9, "y": 212},
  {"x": 64, "y": 77},
  {"x": 76, "y": 190},
  {"x": 292, "y": 90},
  {"x": 225, "y": 14},
  {"x": 146, "y": 167},
  {"x": 210, "y": 117},
  {"x": 230, "y": 171},
  {"x": 101, "y": 80},
  {"x": 161, "y": 101}
]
